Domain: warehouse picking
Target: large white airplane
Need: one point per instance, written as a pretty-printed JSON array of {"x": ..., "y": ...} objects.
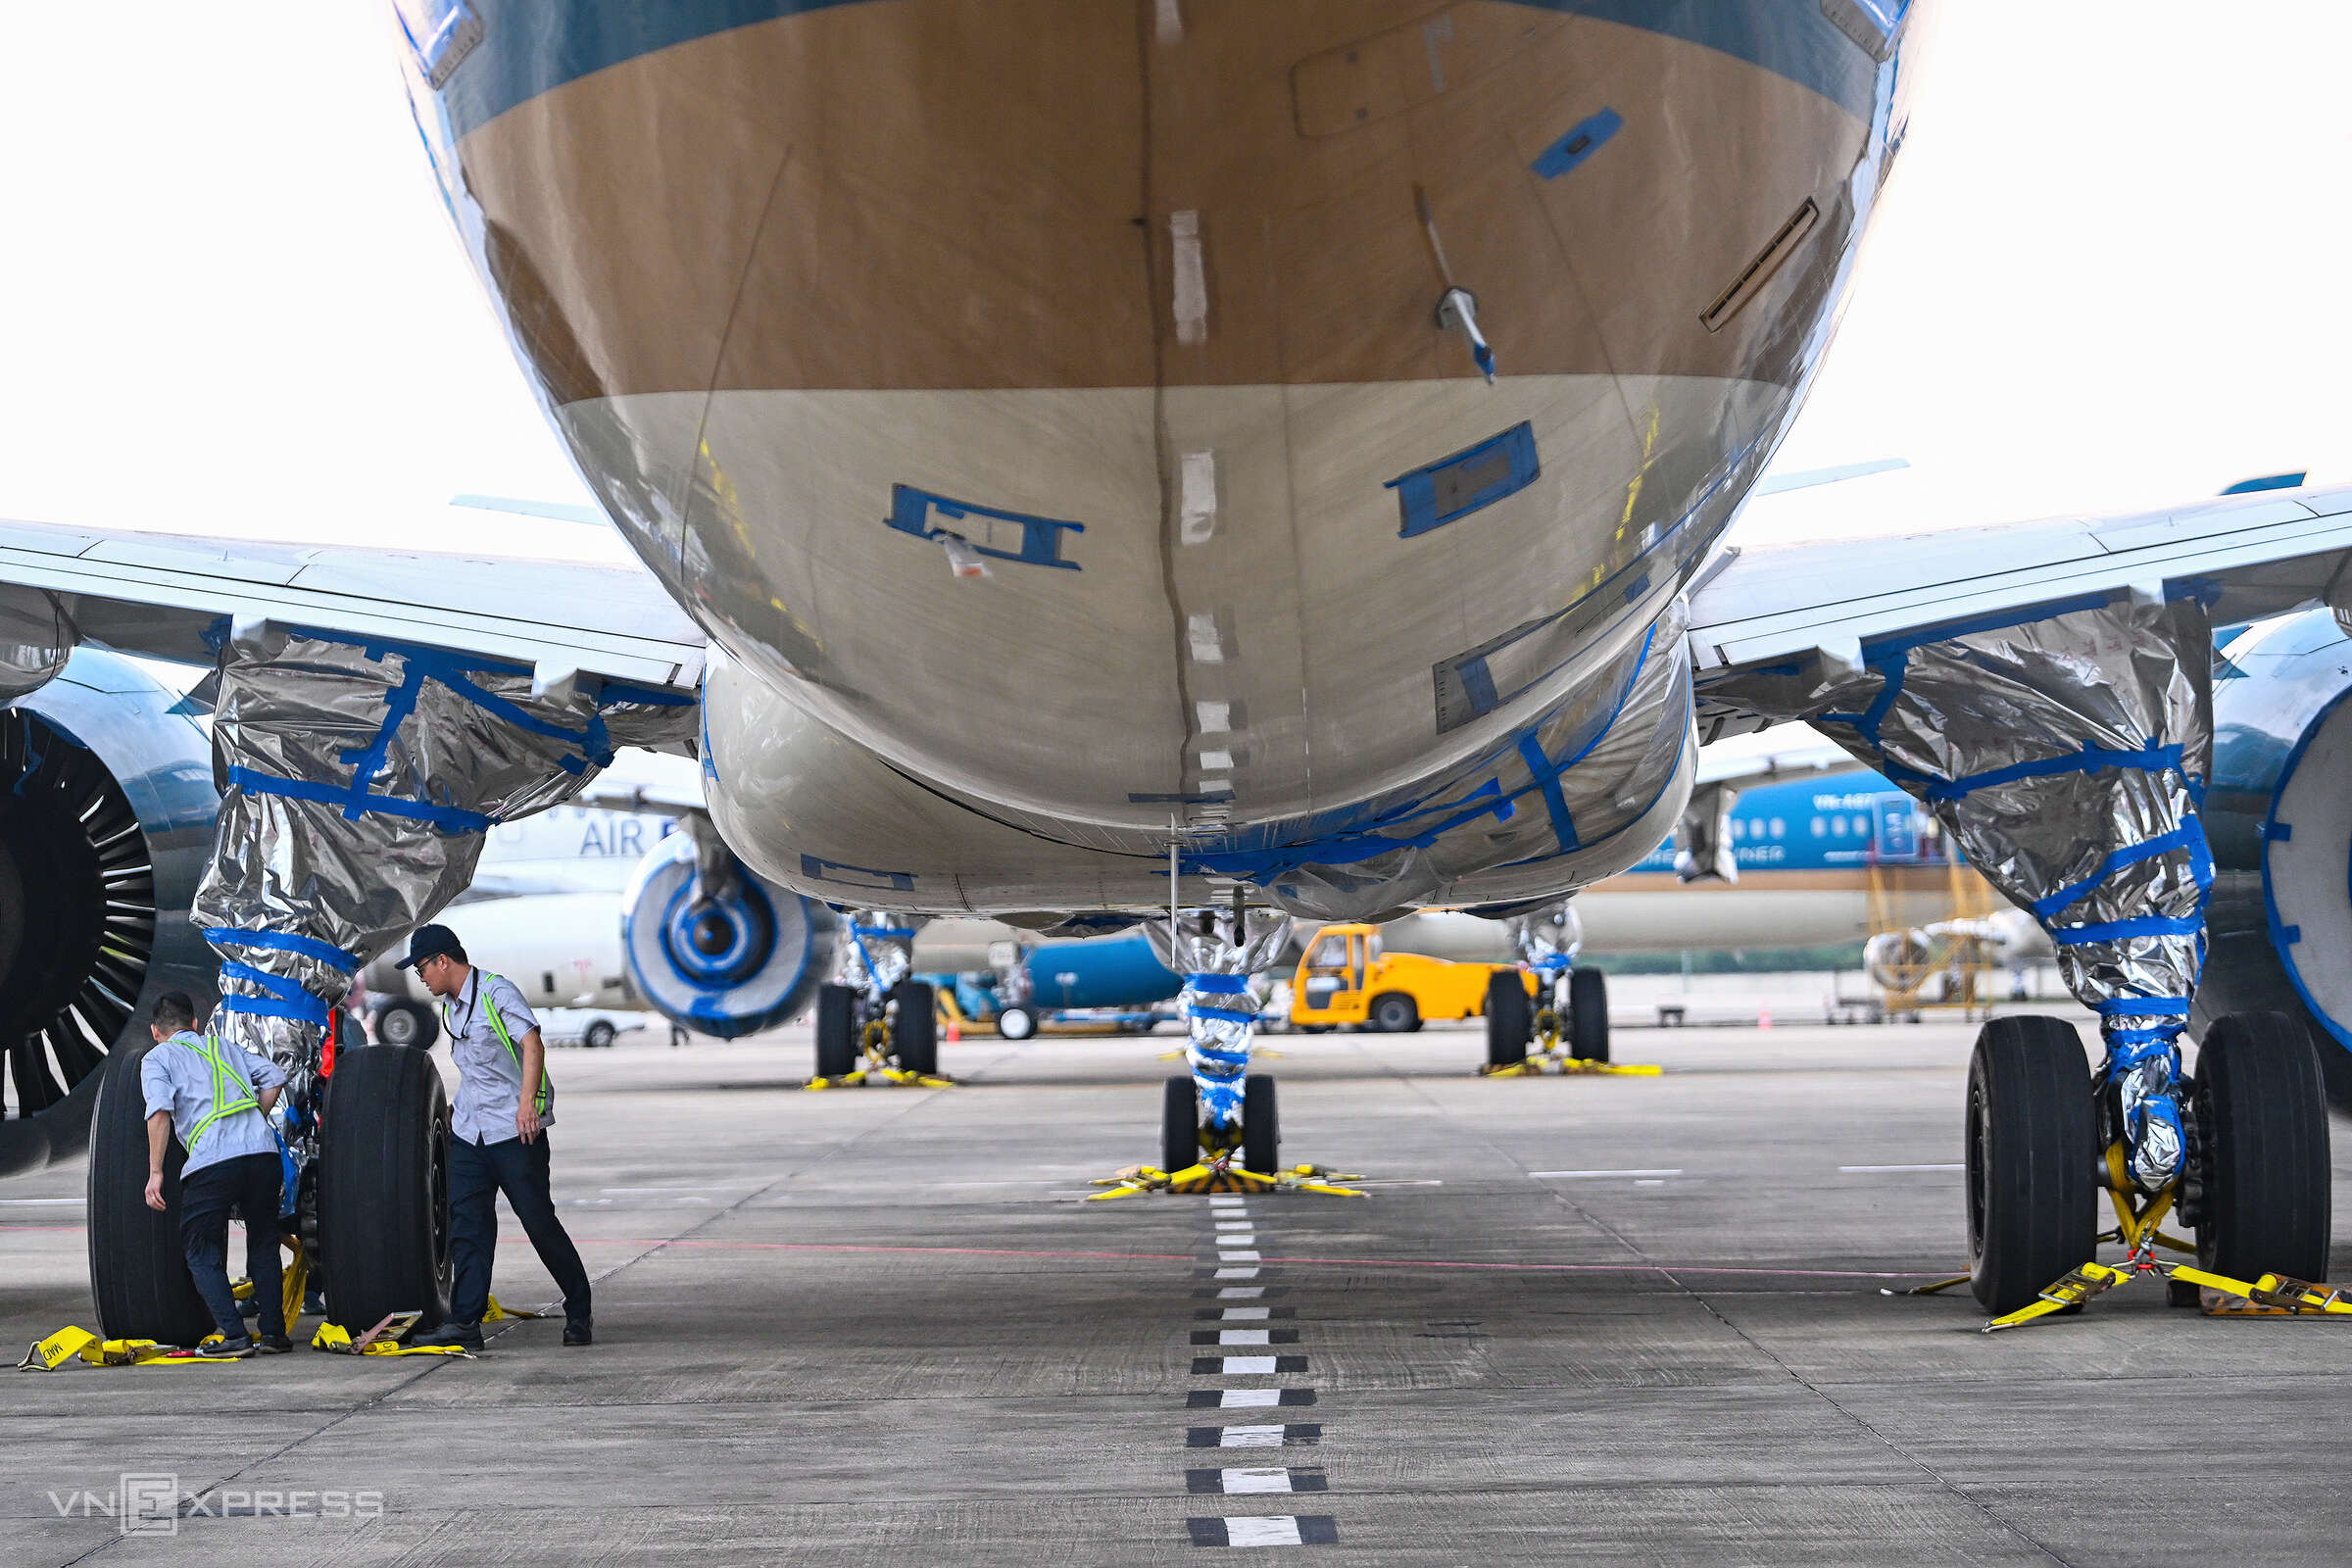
[{"x": 1198, "y": 464}]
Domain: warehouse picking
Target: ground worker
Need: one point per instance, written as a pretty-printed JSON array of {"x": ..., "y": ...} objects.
[
  {"x": 498, "y": 1136},
  {"x": 216, "y": 1095}
]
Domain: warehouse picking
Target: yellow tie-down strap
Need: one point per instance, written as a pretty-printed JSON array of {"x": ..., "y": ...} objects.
[
  {"x": 2273, "y": 1294},
  {"x": 79, "y": 1343},
  {"x": 382, "y": 1340}
]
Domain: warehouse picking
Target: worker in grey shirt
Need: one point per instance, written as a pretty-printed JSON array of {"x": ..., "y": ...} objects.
[
  {"x": 498, "y": 1136},
  {"x": 216, "y": 1096}
]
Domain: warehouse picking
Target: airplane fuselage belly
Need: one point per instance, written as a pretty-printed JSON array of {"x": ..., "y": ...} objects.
[{"x": 1142, "y": 303}]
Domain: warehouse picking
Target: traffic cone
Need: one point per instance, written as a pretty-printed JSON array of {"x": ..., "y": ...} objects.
[
  {"x": 1763, "y": 1017},
  {"x": 954, "y": 1030}
]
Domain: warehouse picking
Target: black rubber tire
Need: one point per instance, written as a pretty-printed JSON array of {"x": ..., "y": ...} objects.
[
  {"x": 2032, "y": 1150},
  {"x": 2262, "y": 1142},
  {"x": 383, "y": 1188},
  {"x": 1395, "y": 1014},
  {"x": 914, "y": 1028},
  {"x": 1179, "y": 1124},
  {"x": 836, "y": 1030},
  {"x": 139, "y": 1279},
  {"x": 407, "y": 1023},
  {"x": 1511, "y": 1018},
  {"x": 1016, "y": 1023},
  {"x": 1588, "y": 1014},
  {"x": 1261, "y": 1125},
  {"x": 599, "y": 1034}
]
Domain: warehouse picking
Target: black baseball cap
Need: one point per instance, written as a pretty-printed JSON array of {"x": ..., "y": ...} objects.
[{"x": 430, "y": 941}]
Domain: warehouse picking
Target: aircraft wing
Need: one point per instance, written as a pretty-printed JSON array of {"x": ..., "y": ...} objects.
[
  {"x": 2252, "y": 555},
  {"x": 164, "y": 595}
]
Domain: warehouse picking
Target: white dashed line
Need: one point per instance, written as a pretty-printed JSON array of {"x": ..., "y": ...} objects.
[
  {"x": 1574, "y": 1175},
  {"x": 1272, "y": 1530},
  {"x": 1246, "y": 1254},
  {"x": 1290, "y": 1435},
  {"x": 1247, "y": 1314},
  {"x": 1269, "y": 1478},
  {"x": 1241, "y": 1292},
  {"x": 1245, "y": 1399},
  {"x": 1859, "y": 1170},
  {"x": 1239, "y": 1273}
]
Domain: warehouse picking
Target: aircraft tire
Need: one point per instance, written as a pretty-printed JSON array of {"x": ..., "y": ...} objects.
[
  {"x": 1261, "y": 1125},
  {"x": 915, "y": 1029},
  {"x": 138, "y": 1275},
  {"x": 1016, "y": 1023},
  {"x": 1179, "y": 1124},
  {"x": 836, "y": 1030},
  {"x": 2261, "y": 1150},
  {"x": 1511, "y": 1018},
  {"x": 383, "y": 1188},
  {"x": 2031, "y": 1154},
  {"x": 407, "y": 1023},
  {"x": 1394, "y": 1013},
  {"x": 599, "y": 1034},
  {"x": 1588, "y": 1014}
]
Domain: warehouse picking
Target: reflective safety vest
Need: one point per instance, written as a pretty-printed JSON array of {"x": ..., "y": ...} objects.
[
  {"x": 498, "y": 1026},
  {"x": 230, "y": 1092}
]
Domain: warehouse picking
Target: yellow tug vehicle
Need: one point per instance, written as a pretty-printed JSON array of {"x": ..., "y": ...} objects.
[{"x": 1345, "y": 978}]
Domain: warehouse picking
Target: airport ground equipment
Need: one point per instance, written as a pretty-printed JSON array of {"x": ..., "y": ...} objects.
[
  {"x": 876, "y": 1023},
  {"x": 1345, "y": 978}
]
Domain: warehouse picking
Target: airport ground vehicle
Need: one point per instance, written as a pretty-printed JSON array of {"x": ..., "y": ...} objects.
[{"x": 1346, "y": 978}]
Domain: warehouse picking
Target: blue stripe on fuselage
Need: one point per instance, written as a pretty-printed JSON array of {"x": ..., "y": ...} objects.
[{"x": 533, "y": 46}]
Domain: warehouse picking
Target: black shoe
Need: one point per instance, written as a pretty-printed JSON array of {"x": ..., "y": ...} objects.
[
  {"x": 465, "y": 1336},
  {"x": 235, "y": 1349},
  {"x": 582, "y": 1331},
  {"x": 273, "y": 1344}
]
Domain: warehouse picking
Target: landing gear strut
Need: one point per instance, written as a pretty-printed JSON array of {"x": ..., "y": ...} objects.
[
  {"x": 876, "y": 1023},
  {"x": 1219, "y": 1131},
  {"x": 1564, "y": 1026}
]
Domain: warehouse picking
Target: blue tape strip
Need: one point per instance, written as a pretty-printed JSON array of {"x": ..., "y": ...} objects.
[
  {"x": 2089, "y": 759},
  {"x": 1220, "y": 1057},
  {"x": 1581, "y": 141},
  {"x": 1228, "y": 985},
  {"x": 902, "y": 933},
  {"x": 2189, "y": 835},
  {"x": 1222, "y": 1015},
  {"x": 1468, "y": 480},
  {"x": 308, "y": 1011},
  {"x": 285, "y": 942},
  {"x": 2156, "y": 1035},
  {"x": 452, "y": 818},
  {"x": 2147, "y": 925}
]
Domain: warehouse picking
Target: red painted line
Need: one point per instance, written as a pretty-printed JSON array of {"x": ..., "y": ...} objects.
[
  {"x": 1334, "y": 1263},
  {"x": 1188, "y": 1257}
]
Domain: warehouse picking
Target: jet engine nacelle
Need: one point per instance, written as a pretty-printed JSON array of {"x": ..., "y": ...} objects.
[
  {"x": 106, "y": 819},
  {"x": 732, "y": 964},
  {"x": 1898, "y": 960}
]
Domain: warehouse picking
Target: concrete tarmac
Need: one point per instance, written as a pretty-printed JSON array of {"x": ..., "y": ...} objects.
[{"x": 1609, "y": 1320}]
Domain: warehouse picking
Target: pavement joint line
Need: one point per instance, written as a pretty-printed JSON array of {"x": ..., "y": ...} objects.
[
  {"x": 1708, "y": 1305},
  {"x": 437, "y": 1363}
]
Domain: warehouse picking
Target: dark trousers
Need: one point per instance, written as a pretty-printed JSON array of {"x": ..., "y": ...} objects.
[
  {"x": 248, "y": 1184},
  {"x": 478, "y": 1174}
]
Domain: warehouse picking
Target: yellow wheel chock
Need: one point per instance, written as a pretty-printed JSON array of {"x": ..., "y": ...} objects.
[
  {"x": 2138, "y": 1230},
  {"x": 1550, "y": 1054},
  {"x": 1219, "y": 1173},
  {"x": 1536, "y": 1066},
  {"x": 874, "y": 1066}
]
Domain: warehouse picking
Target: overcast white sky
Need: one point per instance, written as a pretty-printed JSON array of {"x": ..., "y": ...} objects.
[{"x": 2107, "y": 275}]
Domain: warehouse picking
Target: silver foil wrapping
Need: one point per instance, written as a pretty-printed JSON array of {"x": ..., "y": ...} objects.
[
  {"x": 1218, "y": 954},
  {"x": 1702, "y": 836},
  {"x": 1561, "y": 797},
  {"x": 875, "y": 949},
  {"x": 2065, "y": 755},
  {"x": 357, "y": 782},
  {"x": 1548, "y": 939}
]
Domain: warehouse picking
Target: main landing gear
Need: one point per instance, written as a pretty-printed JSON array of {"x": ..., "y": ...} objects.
[
  {"x": 1564, "y": 1027},
  {"x": 2045, "y": 1136},
  {"x": 877, "y": 1023},
  {"x": 1219, "y": 1128}
]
